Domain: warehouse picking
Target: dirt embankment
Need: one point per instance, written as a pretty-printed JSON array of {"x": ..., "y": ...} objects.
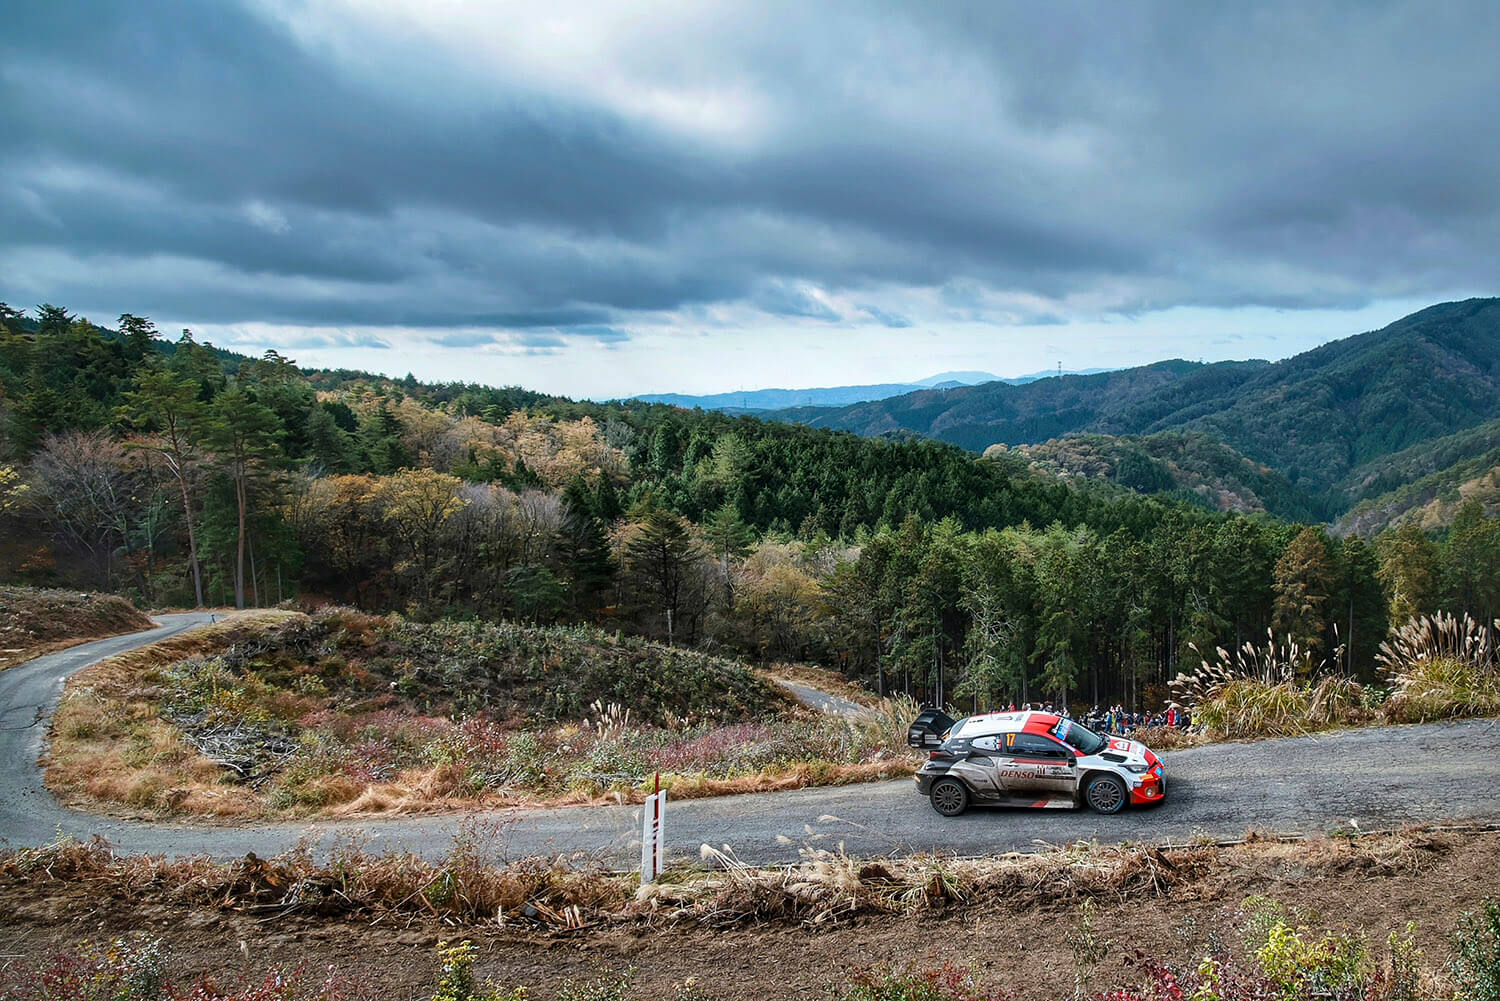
[
  {"x": 1015, "y": 931},
  {"x": 35, "y": 621}
]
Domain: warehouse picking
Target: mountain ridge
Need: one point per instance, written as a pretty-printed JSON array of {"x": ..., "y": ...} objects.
[
  {"x": 756, "y": 401},
  {"x": 1312, "y": 418}
]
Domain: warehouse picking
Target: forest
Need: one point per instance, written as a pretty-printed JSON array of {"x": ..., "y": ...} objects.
[{"x": 179, "y": 474}]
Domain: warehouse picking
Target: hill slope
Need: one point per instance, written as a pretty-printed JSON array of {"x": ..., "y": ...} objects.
[
  {"x": 1432, "y": 478},
  {"x": 1195, "y": 467},
  {"x": 1313, "y": 417}
]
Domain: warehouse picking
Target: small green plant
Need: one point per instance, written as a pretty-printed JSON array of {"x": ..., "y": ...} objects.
[
  {"x": 456, "y": 963},
  {"x": 1475, "y": 966},
  {"x": 603, "y": 989},
  {"x": 1302, "y": 967}
]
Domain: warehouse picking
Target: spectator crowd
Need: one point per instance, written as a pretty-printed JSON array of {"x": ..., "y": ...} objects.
[{"x": 1116, "y": 719}]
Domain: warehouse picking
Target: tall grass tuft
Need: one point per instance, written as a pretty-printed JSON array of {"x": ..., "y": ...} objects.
[
  {"x": 1442, "y": 667},
  {"x": 1256, "y": 692}
]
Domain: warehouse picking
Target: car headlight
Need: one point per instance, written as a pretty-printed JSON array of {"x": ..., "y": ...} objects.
[{"x": 1139, "y": 769}]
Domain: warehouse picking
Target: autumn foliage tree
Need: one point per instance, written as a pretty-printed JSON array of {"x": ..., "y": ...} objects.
[{"x": 416, "y": 504}]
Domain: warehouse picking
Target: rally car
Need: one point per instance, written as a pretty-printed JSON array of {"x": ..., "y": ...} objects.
[{"x": 1030, "y": 759}]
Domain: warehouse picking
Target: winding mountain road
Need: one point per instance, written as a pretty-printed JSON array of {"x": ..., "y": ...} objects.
[{"x": 1367, "y": 779}]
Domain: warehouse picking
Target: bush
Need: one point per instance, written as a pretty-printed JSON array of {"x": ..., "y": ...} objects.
[{"x": 1476, "y": 961}]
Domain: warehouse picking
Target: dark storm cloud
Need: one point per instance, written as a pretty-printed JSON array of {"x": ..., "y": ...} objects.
[{"x": 208, "y": 163}]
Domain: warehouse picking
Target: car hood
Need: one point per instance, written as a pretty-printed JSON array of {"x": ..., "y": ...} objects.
[{"x": 1125, "y": 752}]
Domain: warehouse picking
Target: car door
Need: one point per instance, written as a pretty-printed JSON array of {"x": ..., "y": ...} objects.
[{"x": 1037, "y": 765}]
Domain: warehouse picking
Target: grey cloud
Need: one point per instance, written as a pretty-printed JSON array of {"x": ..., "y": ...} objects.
[
  {"x": 335, "y": 339},
  {"x": 781, "y": 298},
  {"x": 1129, "y": 157},
  {"x": 885, "y": 319}
]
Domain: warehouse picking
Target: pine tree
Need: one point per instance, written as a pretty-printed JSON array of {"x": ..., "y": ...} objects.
[
  {"x": 1304, "y": 582},
  {"x": 1410, "y": 571},
  {"x": 328, "y": 445},
  {"x": 728, "y": 538},
  {"x": 168, "y": 404},
  {"x": 1471, "y": 563},
  {"x": 244, "y": 434},
  {"x": 661, "y": 556}
]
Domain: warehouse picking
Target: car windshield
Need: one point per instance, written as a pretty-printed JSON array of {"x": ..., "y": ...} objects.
[{"x": 1081, "y": 737}]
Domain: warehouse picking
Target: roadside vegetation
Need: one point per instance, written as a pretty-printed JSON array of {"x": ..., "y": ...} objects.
[
  {"x": 277, "y": 712},
  {"x": 34, "y": 621},
  {"x": 1253, "y": 949},
  {"x": 1434, "y": 668}
]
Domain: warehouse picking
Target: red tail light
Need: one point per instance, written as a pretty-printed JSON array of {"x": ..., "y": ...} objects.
[{"x": 940, "y": 756}]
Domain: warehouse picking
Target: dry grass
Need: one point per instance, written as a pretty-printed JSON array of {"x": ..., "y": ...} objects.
[
  {"x": 34, "y": 622},
  {"x": 826, "y": 887},
  {"x": 1442, "y": 667},
  {"x": 112, "y": 748},
  {"x": 1169, "y": 738},
  {"x": 108, "y": 743},
  {"x": 1257, "y": 692}
]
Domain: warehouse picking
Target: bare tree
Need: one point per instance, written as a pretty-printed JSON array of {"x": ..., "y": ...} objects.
[{"x": 81, "y": 481}]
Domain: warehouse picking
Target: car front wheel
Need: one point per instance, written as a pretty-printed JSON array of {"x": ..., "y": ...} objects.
[
  {"x": 1105, "y": 794},
  {"x": 949, "y": 797}
]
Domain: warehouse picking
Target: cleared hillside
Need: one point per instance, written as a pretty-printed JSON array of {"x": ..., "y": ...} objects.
[{"x": 34, "y": 621}]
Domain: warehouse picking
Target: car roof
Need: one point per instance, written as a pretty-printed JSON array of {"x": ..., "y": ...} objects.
[{"x": 1008, "y": 722}]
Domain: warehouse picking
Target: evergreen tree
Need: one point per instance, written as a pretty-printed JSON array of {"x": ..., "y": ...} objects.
[
  {"x": 329, "y": 446},
  {"x": 168, "y": 404},
  {"x": 728, "y": 539},
  {"x": 139, "y": 333},
  {"x": 380, "y": 442},
  {"x": 588, "y": 565},
  {"x": 1360, "y": 609},
  {"x": 1304, "y": 583},
  {"x": 244, "y": 434},
  {"x": 661, "y": 557},
  {"x": 1410, "y": 571},
  {"x": 1471, "y": 564}
]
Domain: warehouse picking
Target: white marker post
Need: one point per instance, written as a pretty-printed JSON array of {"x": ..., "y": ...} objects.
[{"x": 652, "y": 852}]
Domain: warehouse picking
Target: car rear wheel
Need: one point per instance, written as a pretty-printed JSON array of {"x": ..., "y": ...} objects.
[
  {"x": 1105, "y": 794},
  {"x": 949, "y": 797}
]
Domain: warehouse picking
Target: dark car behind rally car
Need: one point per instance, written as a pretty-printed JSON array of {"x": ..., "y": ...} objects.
[{"x": 1032, "y": 759}]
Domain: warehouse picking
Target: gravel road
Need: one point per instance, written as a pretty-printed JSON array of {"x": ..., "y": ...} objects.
[{"x": 1366, "y": 779}]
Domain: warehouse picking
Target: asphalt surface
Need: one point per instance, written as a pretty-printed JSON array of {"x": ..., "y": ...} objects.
[
  {"x": 834, "y": 705},
  {"x": 1359, "y": 779}
]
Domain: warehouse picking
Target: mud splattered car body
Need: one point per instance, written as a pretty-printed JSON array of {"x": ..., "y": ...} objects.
[{"x": 1031, "y": 759}]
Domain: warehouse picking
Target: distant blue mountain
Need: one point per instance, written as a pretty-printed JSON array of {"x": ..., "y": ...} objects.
[{"x": 751, "y": 400}]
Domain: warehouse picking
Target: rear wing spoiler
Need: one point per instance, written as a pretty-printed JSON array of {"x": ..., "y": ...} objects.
[{"x": 928, "y": 729}]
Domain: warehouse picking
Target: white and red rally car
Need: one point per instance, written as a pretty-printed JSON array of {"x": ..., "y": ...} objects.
[{"x": 1030, "y": 759}]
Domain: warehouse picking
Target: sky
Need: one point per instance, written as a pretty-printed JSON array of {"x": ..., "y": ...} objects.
[{"x": 604, "y": 199}]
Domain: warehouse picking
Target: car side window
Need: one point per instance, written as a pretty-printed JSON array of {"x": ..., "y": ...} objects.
[
  {"x": 989, "y": 744},
  {"x": 1033, "y": 746}
]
